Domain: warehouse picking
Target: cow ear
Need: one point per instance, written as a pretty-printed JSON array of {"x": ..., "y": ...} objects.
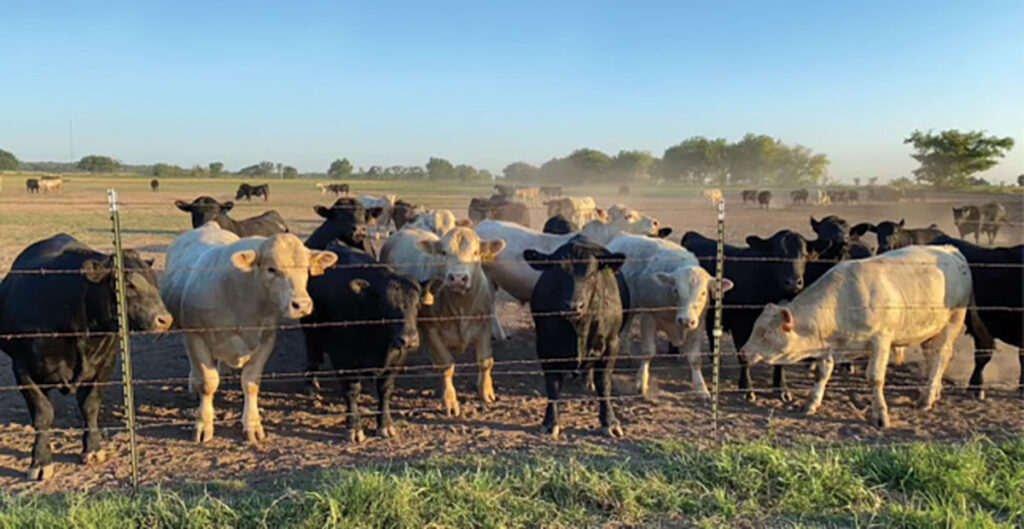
[
  {"x": 726, "y": 285},
  {"x": 757, "y": 243},
  {"x": 430, "y": 246},
  {"x": 227, "y": 206},
  {"x": 373, "y": 213},
  {"x": 860, "y": 229},
  {"x": 464, "y": 223},
  {"x": 612, "y": 261},
  {"x": 902, "y": 222},
  {"x": 490, "y": 249},
  {"x": 429, "y": 291},
  {"x": 818, "y": 247},
  {"x": 786, "y": 316},
  {"x": 95, "y": 271},
  {"x": 184, "y": 206},
  {"x": 872, "y": 228},
  {"x": 359, "y": 286},
  {"x": 537, "y": 260},
  {"x": 814, "y": 224},
  {"x": 244, "y": 260},
  {"x": 664, "y": 232},
  {"x": 664, "y": 279},
  {"x": 323, "y": 211},
  {"x": 319, "y": 262},
  {"x": 602, "y": 215}
]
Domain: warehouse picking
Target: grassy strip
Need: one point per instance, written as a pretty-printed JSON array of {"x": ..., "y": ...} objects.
[{"x": 978, "y": 484}]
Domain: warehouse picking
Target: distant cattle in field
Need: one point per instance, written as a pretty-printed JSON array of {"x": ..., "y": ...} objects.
[
  {"x": 799, "y": 196},
  {"x": 624, "y": 189},
  {"x": 335, "y": 189},
  {"x": 749, "y": 195},
  {"x": 559, "y": 225},
  {"x": 713, "y": 195},
  {"x": 579, "y": 210},
  {"x": 527, "y": 195},
  {"x": 154, "y": 185},
  {"x": 821, "y": 196},
  {"x": 764, "y": 199},
  {"x": 32, "y": 185},
  {"x": 893, "y": 235},
  {"x": 986, "y": 219},
  {"x": 76, "y": 297},
  {"x": 506, "y": 190},
  {"x": 248, "y": 191},
  {"x": 55, "y": 184},
  {"x": 915, "y": 195},
  {"x": 498, "y": 207},
  {"x": 551, "y": 191},
  {"x": 925, "y": 292},
  {"x": 853, "y": 197},
  {"x": 206, "y": 209}
]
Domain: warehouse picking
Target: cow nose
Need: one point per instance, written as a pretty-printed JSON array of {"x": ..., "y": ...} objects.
[
  {"x": 163, "y": 322},
  {"x": 685, "y": 321},
  {"x": 458, "y": 279},
  {"x": 301, "y": 307}
]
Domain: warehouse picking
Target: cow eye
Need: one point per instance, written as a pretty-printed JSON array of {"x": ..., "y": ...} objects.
[
  {"x": 271, "y": 270},
  {"x": 131, "y": 286}
]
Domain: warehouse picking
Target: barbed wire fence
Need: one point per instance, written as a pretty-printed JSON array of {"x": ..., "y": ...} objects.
[{"x": 510, "y": 368}]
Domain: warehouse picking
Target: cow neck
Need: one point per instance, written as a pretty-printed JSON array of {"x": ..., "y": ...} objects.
[
  {"x": 478, "y": 297},
  {"x": 227, "y": 223},
  {"x": 99, "y": 308},
  {"x": 817, "y": 305}
]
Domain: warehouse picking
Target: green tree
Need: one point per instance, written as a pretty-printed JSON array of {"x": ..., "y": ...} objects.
[
  {"x": 260, "y": 170},
  {"x": 950, "y": 158},
  {"x": 440, "y": 169},
  {"x": 1020, "y": 180},
  {"x": 696, "y": 160},
  {"x": 856, "y": 181},
  {"x": 466, "y": 173},
  {"x": 340, "y": 169},
  {"x": 216, "y": 168},
  {"x": 752, "y": 158},
  {"x": 520, "y": 172},
  {"x": 280, "y": 167},
  {"x": 798, "y": 165},
  {"x": 8, "y": 162},
  {"x": 289, "y": 172},
  {"x": 198, "y": 171},
  {"x": 589, "y": 165},
  {"x": 632, "y": 165},
  {"x": 95, "y": 163},
  {"x": 166, "y": 170}
]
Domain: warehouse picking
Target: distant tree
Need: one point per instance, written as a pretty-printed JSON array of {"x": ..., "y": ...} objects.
[
  {"x": 1020, "y": 180},
  {"x": 440, "y": 169},
  {"x": 856, "y": 181},
  {"x": 165, "y": 170},
  {"x": 260, "y": 170},
  {"x": 797, "y": 165},
  {"x": 979, "y": 182},
  {"x": 520, "y": 172},
  {"x": 216, "y": 168},
  {"x": 949, "y": 159},
  {"x": 901, "y": 182},
  {"x": 8, "y": 162},
  {"x": 873, "y": 180},
  {"x": 696, "y": 160},
  {"x": 289, "y": 172},
  {"x": 266, "y": 168},
  {"x": 279, "y": 167},
  {"x": 557, "y": 170},
  {"x": 485, "y": 175},
  {"x": 632, "y": 165},
  {"x": 95, "y": 163},
  {"x": 752, "y": 158},
  {"x": 198, "y": 171},
  {"x": 589, "y": 165},
  {"x": 340, "y": 169},
  {"x": 466, "y": 173}
]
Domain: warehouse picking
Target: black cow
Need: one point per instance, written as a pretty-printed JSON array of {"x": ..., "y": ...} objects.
[
  {"x": 506, "y": 190},
  {"x": 799, "y": 196},
  {"x": 749, "y": 195},
  {"x": 77, "y": 302},
  {"x": 338, "y": 189},
  {"x": 404, "y": 212},
  {"x": 248, "y": 191},
  {"x": 892, "y": 235},
  {"x": 967, "y": 220},
  {"x": 764, "y": 199},
  {"x": 32, "y": 185},
  {"x": 498, "y": 207},
  {"x": 205, "y": 209},
  {"x": 767, "y": 271},
  {"x": 856, "y": 247},
  {"x": 852, "y": 196},
  {"x": 559, "y": 225},
  {"x": 578, "y": 305},
  {"x": 154, "y": 185},
  {"x": 359, "y": 289},
  {"x": 346, "y": 222},
  {"x": 999, "y": 285},
  {"x": 830, "y": 247}
]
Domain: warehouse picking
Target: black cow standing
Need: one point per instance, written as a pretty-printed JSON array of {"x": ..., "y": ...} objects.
[
  {"x": 893, "y": 236},
  {"x": 359, "y": 289},
  {"x": 32, "y": 185},
  {"x": 764, "y": 199},
  {"x": 997, "y": 276},
  {"x": 577, "y": 307},
  {"x": 346, "y": 222},
  {"x": 154, "y": 185},
  {"x": 205, "y": 209},
  {"x": 404, "y": 212},
  {"x": 799, "y": 196},
  {"x": 80, "y": 301},
  {"x": 749, "y": 195},
  {"x": 559, "y": 225},
  {"x": 248, "y": 191},
  {"x": 768, "y": 271}
]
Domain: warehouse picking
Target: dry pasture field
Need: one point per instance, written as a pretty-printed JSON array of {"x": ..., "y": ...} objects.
[{"x": 305, "y": 433}]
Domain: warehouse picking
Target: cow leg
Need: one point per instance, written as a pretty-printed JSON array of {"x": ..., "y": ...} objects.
[
  {"x": 689, "y": 341},
  {"x": 90, "y": 400},
  {"x": 939, "y": 351},
  {"x": 206, "y": 379},
  {"x": 554, "y": 376},
  {"x": 821, "y": 378},
  {"x": 314, "y": 359},
  {"x": 779, "y": 384},
  {"x": 984, "y": 345},
  {"x": 880, "y": 347},
  {"x": 40, "y": 409},
  {"x": 443, "y": 359},
  {"x": 484, "y": 364},
  {"x": 352, "y": 416},
  {"x": 740, "y": 335},
  {"x": 606, "y": 414},
  {"x": 385, "y": 388},
  {"x": 648, "y": 348},
  {"x": 496, "y": 329},
  {"x": 251, "y": 374}
]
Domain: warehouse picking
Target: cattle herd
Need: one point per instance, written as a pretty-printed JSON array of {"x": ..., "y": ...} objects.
[{"x": 229, "y": 284}]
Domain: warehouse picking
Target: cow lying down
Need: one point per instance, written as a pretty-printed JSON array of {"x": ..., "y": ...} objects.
[{"x": 917, "y": 295}]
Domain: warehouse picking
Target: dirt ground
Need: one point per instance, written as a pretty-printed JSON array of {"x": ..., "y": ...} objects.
[{"x": 308, "y": 434}]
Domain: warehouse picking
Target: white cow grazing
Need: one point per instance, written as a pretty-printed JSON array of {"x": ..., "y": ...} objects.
[
  {"x": 457, "y": 319},
  {"x": 237, "y": 291},
  {"x": 914, "y": 295},
  {"x": 439, "y": 221},
  {"x": 668, "y": 285}
]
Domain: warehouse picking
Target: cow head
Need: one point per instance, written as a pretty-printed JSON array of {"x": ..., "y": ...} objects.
[
  {"x": 577, "y": 280},
  {"x": 146, "y": 310},
  {"x": 398, "y": 300},
  {"x": 965, "y": 213},
  {"x": 460, "y": 252},
  {"x": 833, "y": 237},
  {"x": 439, "y": 221},
  {"x": 779, "y": 338},
  {"x": 345, "y": 221},
  {"x": 204, "y": 209},
  {"x": 787, "y": 254},
  {"x": 691, "y": 287},
  {"x": 281, "y": 266},
  {"x": 559, "y": 225},
  {"x": 888, "y": 233}
]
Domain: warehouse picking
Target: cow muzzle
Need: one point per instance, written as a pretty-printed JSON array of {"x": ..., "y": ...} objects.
[
  {"x": 688, "y": 322},
  {"x": 162, "y": 323},
  {"x": 299, "y": 308},
  {"x": 457, "y": 282}
]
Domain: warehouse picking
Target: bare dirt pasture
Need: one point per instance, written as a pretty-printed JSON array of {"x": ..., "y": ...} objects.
[{"x": 305, "y": 433}]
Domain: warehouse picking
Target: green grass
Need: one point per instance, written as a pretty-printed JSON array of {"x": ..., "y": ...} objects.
[{"x": 668, "y": 484}]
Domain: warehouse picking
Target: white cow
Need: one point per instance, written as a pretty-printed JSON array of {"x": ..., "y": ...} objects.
[
  {"x": 668, "y": 285},
  {"x": 236, "y": 291},
  {"x": 439, "y": 221},
  {"x": 386, "y": 203},
  {"x": 457, "y": 320},
  {"x": 911, "y": 296},
  {"x": 579, "y": 210}
]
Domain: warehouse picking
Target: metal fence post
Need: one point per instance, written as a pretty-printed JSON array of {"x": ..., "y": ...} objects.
[
  {"x": 122, "y": 331},
  {"x": 716, "y": 346}
]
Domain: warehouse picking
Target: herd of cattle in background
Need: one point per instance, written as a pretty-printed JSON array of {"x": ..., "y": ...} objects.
[{"x": 228, "y": 284}]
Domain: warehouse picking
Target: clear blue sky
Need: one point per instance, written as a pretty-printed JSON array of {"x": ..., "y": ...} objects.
[{"x": 488, "y": 83}]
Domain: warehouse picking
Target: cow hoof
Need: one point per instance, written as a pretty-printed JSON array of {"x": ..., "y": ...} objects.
[
  {"x": 452, "y": 409},
  {"x": 810, "y": 409},
  {"x": 706, "y": 395},
  {"x": 488, "y": 398},
  {"x": 255, "y": 434},
  {"x": 978, "y": 392},
  {"x": 204, "y": 432},
  {"x": 751, "y": 397},
  {"x": 881, "y": 420},
  {"x": 94, "y": 458},
  {"x": 613, "y": 431},
  {"x": 785, "y": 396},
  {"x": 553, "y": 431},
  {"x": 39, "y": 473},
  {"x": 387, "y": 432},
  {"x": 356, "y": 436}
]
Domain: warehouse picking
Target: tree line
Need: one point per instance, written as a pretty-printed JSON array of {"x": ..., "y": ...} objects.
[{"x": 948, "y": 159}]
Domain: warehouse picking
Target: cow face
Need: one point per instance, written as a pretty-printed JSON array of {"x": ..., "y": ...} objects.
[
  {"x": 577, "y": 280},
  {"x": 282, "y": 266},
  {"x": 345, "y": 221},
  {"x": 460, "y": 252},
  {"x": 629, "y": 220},
  {"x": 691, "y": 287},
  {"x": 775, "y": 338},
  {"x": 888, "y": 233},
  {"x": 965, "y": 213},
  {"x": 204, "y": 209},
  {"x": 833, "y": 229},
  {"x": 398, "y": 300},
  {"x": 146, "y": 310},
  {"x": 788, "y": 256}
]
